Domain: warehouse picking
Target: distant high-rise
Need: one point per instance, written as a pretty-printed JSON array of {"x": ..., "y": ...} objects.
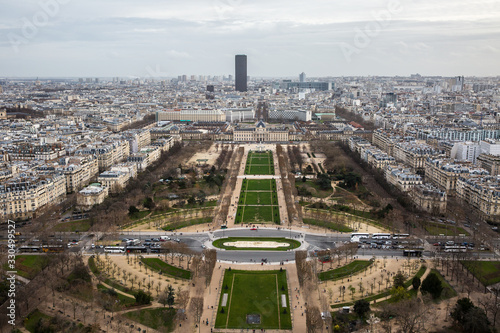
[
  {"x": 302, "y": 77},
  {"x": 240, "y": 83}
]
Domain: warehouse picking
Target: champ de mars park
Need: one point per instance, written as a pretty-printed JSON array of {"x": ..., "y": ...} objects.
[{"x": 254, "y": 238}]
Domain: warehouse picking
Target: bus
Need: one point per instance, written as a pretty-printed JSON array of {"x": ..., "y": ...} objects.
[
  {"x": 360, "y": 235},
  {"x": 114, "y": 249},
  {"x": 455, "y": 248},
  {"x": 52, "y": 248},
  {"x": 29, "y": 248},
  {"x": 381, "y": 236},
  {"x": 135, "y": 249},
  {"x": 357, "y": 236},
  {"x": 400, "y": 236}
]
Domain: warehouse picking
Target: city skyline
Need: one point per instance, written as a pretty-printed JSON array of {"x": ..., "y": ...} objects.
[{"x": 60, "y": 38}]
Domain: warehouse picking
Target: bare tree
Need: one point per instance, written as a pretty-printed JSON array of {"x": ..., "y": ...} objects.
[
  {"x": 196, "y": 308},
  {"x": 314, "y": 322}
]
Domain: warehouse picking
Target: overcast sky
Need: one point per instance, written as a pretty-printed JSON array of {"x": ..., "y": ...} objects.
[{"x": 127, "y": 38}]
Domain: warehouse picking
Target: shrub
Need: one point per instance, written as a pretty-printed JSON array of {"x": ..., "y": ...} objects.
[{"x": 432, "y": 285}]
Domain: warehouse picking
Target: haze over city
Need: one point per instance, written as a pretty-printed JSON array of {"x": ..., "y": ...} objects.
[{"x": 61, "y": 38}]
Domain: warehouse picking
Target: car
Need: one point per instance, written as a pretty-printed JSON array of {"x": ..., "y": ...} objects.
[
  {"x": 155, "y": 240},
  {"x": 92, "y": 246},
  {"x": 436, "y": 244},
  {"x": 177, "y": 240},
  {"x": 203, "y": 246},
  {"x": 253, "y": 228}
]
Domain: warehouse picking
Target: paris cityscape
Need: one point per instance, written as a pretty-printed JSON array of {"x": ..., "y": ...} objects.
[{"x": 235, "y": 166}]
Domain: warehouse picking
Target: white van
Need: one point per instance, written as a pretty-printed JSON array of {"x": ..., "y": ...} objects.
[{"x": 164, "y": 238}]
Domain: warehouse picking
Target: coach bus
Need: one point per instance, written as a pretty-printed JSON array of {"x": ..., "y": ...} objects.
[
  {"x": 400, "y": 236},
  {"x": 52, "y": 248},
  {"x": 114, "y": 249},
  {"x": 27, "y": 248},
  {"x": 455, "y": 248},
  {"x": 381, "y": 236}
]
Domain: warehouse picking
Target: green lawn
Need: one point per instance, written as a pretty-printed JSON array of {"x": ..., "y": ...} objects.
[
  {"x": 447, "y": 230},
  {"x": 347, "y": 270},
  {"x": 259, "y": 198},
  {"x": 258, "y": 214},
  {"x": 161, "y": 319},
  {"x": 259, "y": 184},
  {"x": 28, "y": 266},
  {"x": 419, "y": 274},
  {"x": 139, "y": 215},
  {"x": 31, "y": 321},
  {"x": 260, "y": 160},
  {"x": 259, "y": 164},
  {"x": 124, "y": 300},
  {"x": 183, "y": 224},
  {"x": 311, "y": 187},
  {"x": 260, "y": 170},
  {"x": 160, "y": 265},
  {"x": 254, "y": 292},
  {"x": 329, "y": 225},
  {"x": 488, "y": 272},
  {"x": 293, "y": 244},
  {"x": 80, "y": 225}
]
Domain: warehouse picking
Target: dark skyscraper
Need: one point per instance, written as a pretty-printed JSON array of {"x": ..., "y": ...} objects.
[{"x": 240, "y": 83}]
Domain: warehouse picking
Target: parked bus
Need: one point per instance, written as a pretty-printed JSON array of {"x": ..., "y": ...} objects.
[
  {"x": 360, "y": 235},
  {"x": 114, "y": 249},
  {"x": 52, "y": 248},
  {"x": 455, "y": 248},
  {"x": 135, "y": 249},
  {"x": 28, "y": 248},
  {"x": 400, "y": 236},
  {"x": 381, "y": 236}
]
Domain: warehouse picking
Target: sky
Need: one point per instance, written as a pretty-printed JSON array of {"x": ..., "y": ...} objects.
[{"x": 167, "y": 38}]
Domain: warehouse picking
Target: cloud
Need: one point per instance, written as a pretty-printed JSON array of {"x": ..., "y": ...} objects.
[{"x": 282, "y": 38}]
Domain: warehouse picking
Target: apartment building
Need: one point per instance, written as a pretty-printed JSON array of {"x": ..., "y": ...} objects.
[
  {"x": 491, "y": 163},
  {"x": 400, "y": 177},
  {"x": 79, "y": 172},
  {"x": 481, "y": 192},
  {"x": 25, "y": 197},
  {"x": 191, "y": 115},
  {"x": 429, "y": 198},
  {"x": 145, "y": 157},
  {"x": 115, "y": 181},
  {"x": 414, "y": 155},
  {"x": 30, "y": 152},
  {"x": 443, "y": 173}
]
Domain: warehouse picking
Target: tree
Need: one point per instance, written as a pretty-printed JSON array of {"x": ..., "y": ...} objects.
[
  {"x": 170, "y": 296},
  {"x": 399, "y": 280},
  {"x": 411, "y": 315},
  {"x": 132, "y": 210},
  {"x": 361, "y": 307},
  {"x": 148, "y": 203},
  {"x": 399, "y": 294},
  {"x": 476, "y": 321},
  {"x": 142, "y": 298},
  {"x": 415, "y": 283},
  {"x": 196, "y": 308},
  {"x": 432, "y": 285},
  {"x": 463, "y": 306},
  {"x": 313, "y": 320}
]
